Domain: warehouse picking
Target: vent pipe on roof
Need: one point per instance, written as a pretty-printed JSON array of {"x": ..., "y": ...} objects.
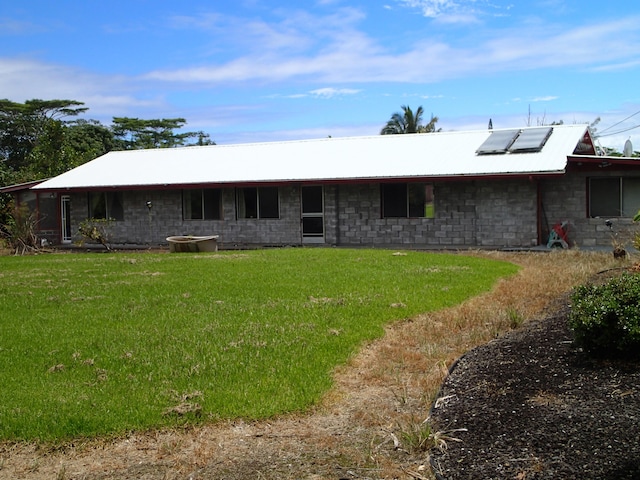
[{"x": 628, "y": 148}]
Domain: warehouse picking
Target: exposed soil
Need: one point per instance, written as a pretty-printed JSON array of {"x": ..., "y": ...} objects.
[
  {"x": 574, "y": 418},
  {"x": 530, "y": 405}
]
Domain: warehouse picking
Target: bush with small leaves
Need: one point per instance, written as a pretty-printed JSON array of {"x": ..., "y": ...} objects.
[
  {"x": 96, "y": 230},
  {"x": 606, "y": 318},
  {"x": 636, "y": 234},
  {"x": 19, "y": 233}
]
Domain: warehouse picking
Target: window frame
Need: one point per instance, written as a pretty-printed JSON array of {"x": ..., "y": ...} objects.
[
  {"x": 109, "y": 200},
  {"x": 258, "y": 206},
  {"x": 44, "y": 205},
  {"x": 210, "y": 204},
  {"x": 396, "y": 200},
  {"x": 607, "y": 192}
]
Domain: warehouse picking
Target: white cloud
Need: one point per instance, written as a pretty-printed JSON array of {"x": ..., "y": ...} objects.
[
  {"x": 431, "y": 8},
  {"x": 326, "y": 50},
  {"x": 332, "y": 55},
  {"x": 291, "y": 31},
  {"x": 24, "y": 79},
  {"x": 329, "y": 92},
  {"x": 458, "y": 19},
  {"x": 9, "y": 26},
  {"x": 345, "y": 54},
  {"x": 335, "y": 131},
  {"x": 456, "y": 11},
  {"x": 548, "y": 98},
  {"x": 616, "y": 67},
  {"x": 326, "y": 92}
]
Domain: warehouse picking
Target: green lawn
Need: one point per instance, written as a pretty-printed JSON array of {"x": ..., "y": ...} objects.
[{"x": 101, "y": 343}]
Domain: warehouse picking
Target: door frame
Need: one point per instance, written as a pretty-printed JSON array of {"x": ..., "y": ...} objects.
[
  {"x": 65, "y": 218},
  {"x": 309, "y": 218}
]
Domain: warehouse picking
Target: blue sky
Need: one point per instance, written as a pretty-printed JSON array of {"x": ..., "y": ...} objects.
[{"x": 254, "y": 70}]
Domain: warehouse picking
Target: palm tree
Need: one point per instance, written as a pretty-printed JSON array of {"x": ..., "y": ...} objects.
[{"x": 409, "y": 122}]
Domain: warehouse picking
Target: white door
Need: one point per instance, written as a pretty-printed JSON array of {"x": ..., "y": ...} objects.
[{"x": 65, "y": 218}]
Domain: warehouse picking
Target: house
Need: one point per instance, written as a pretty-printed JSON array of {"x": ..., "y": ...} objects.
[{"x": 477, "y": 189}]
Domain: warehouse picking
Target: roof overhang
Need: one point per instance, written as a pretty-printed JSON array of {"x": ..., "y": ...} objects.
[
  {"x": 444, "y": 156},
  {"x": 319, "y": 181},
  {"x": 595, "y": 163},
  {"x": 20, "y": 186},
  {"x": 604, "y": 160}
]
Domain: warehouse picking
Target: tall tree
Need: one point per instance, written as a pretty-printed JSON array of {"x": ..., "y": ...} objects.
[
  {"x": 24, "y": 125},
  {"x": 43, "y": 138},
  {"x": 409, "y": 122},
  {"x": 63, "y": 146},
  {"x": 89, "y": 139},
  {"x": 6, "y": 178},
  {"x": 51, "y": 155},
  {"x": 136, "y": 133}
]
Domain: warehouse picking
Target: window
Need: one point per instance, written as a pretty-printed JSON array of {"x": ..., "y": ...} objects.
[
  {"x": 253, "y": 202},
  {"x": 402, "y": 200},
  {"x": 614, "y": 197},
  {"x": 47, "y": 212},
  {"x": 106, "y": 205},
  {"x": 202, "y": 204},
  {"x": 44, "y": 205},
  {"x": 29, "y": 199}
]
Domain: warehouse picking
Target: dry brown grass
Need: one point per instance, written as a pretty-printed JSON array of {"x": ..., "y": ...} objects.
[
  {"x": 413, "y": 358},
  {"x": 361, "y": 429},
  {"x": 432, "y": 342}
]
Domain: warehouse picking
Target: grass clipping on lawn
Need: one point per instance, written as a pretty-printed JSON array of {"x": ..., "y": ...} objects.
[{"x": 365, "y": 425}]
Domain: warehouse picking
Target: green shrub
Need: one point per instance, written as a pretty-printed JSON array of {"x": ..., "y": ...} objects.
[
  {"x": 20, "y": 230},
  {"x": 606, "y": 318},
  {"x": 96, "y": 230}
]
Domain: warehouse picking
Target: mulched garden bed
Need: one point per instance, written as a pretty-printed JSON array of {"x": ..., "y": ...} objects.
[{"x": 531, "y": 405}]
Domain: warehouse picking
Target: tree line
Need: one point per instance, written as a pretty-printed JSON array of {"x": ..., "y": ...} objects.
[{"x": 44, "y": 138}]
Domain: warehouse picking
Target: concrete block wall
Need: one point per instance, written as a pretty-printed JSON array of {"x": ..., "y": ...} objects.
[
  {"x": 566, "y": 198},
  {"x": 331, "y": 220},
  {"x": 78, "y": 208},
  {"x": 506, "y": 213},
  {"x": 467, "y": 214},
  {"x": 285, "y": 230},
  {"x": 151, "y": 227},
  {"x": 480, "y": 213}
]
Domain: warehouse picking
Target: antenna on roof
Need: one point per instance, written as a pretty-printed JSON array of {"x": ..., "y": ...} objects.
[
  {"x": 490, "y": 125},
  {"x": 628, "y": 148}
]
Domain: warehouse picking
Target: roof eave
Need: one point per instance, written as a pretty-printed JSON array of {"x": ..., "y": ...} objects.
[
  {"x": 21, "y": 186},
  {"x": 599, "y": 159},
  {"x": 316, "y": 181}
]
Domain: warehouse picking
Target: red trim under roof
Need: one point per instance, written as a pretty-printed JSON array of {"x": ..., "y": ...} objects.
[
  {"x": 329, "y": 181},
  {"x": 20, "y": 186},
  {"x": 598, "y": 159}
]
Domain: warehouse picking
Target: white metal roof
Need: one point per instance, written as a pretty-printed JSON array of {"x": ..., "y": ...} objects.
[{"x": 443, "y": 154}]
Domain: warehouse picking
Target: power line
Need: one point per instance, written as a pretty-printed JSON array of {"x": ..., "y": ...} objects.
[
  {"x": 618, "y": 132},
  {"x": 616, "y": 124}
]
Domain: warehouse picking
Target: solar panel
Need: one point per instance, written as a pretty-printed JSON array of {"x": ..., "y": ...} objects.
[
  {"x": 531, "y": 140},
  {"x": 498, "y": 142}
]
